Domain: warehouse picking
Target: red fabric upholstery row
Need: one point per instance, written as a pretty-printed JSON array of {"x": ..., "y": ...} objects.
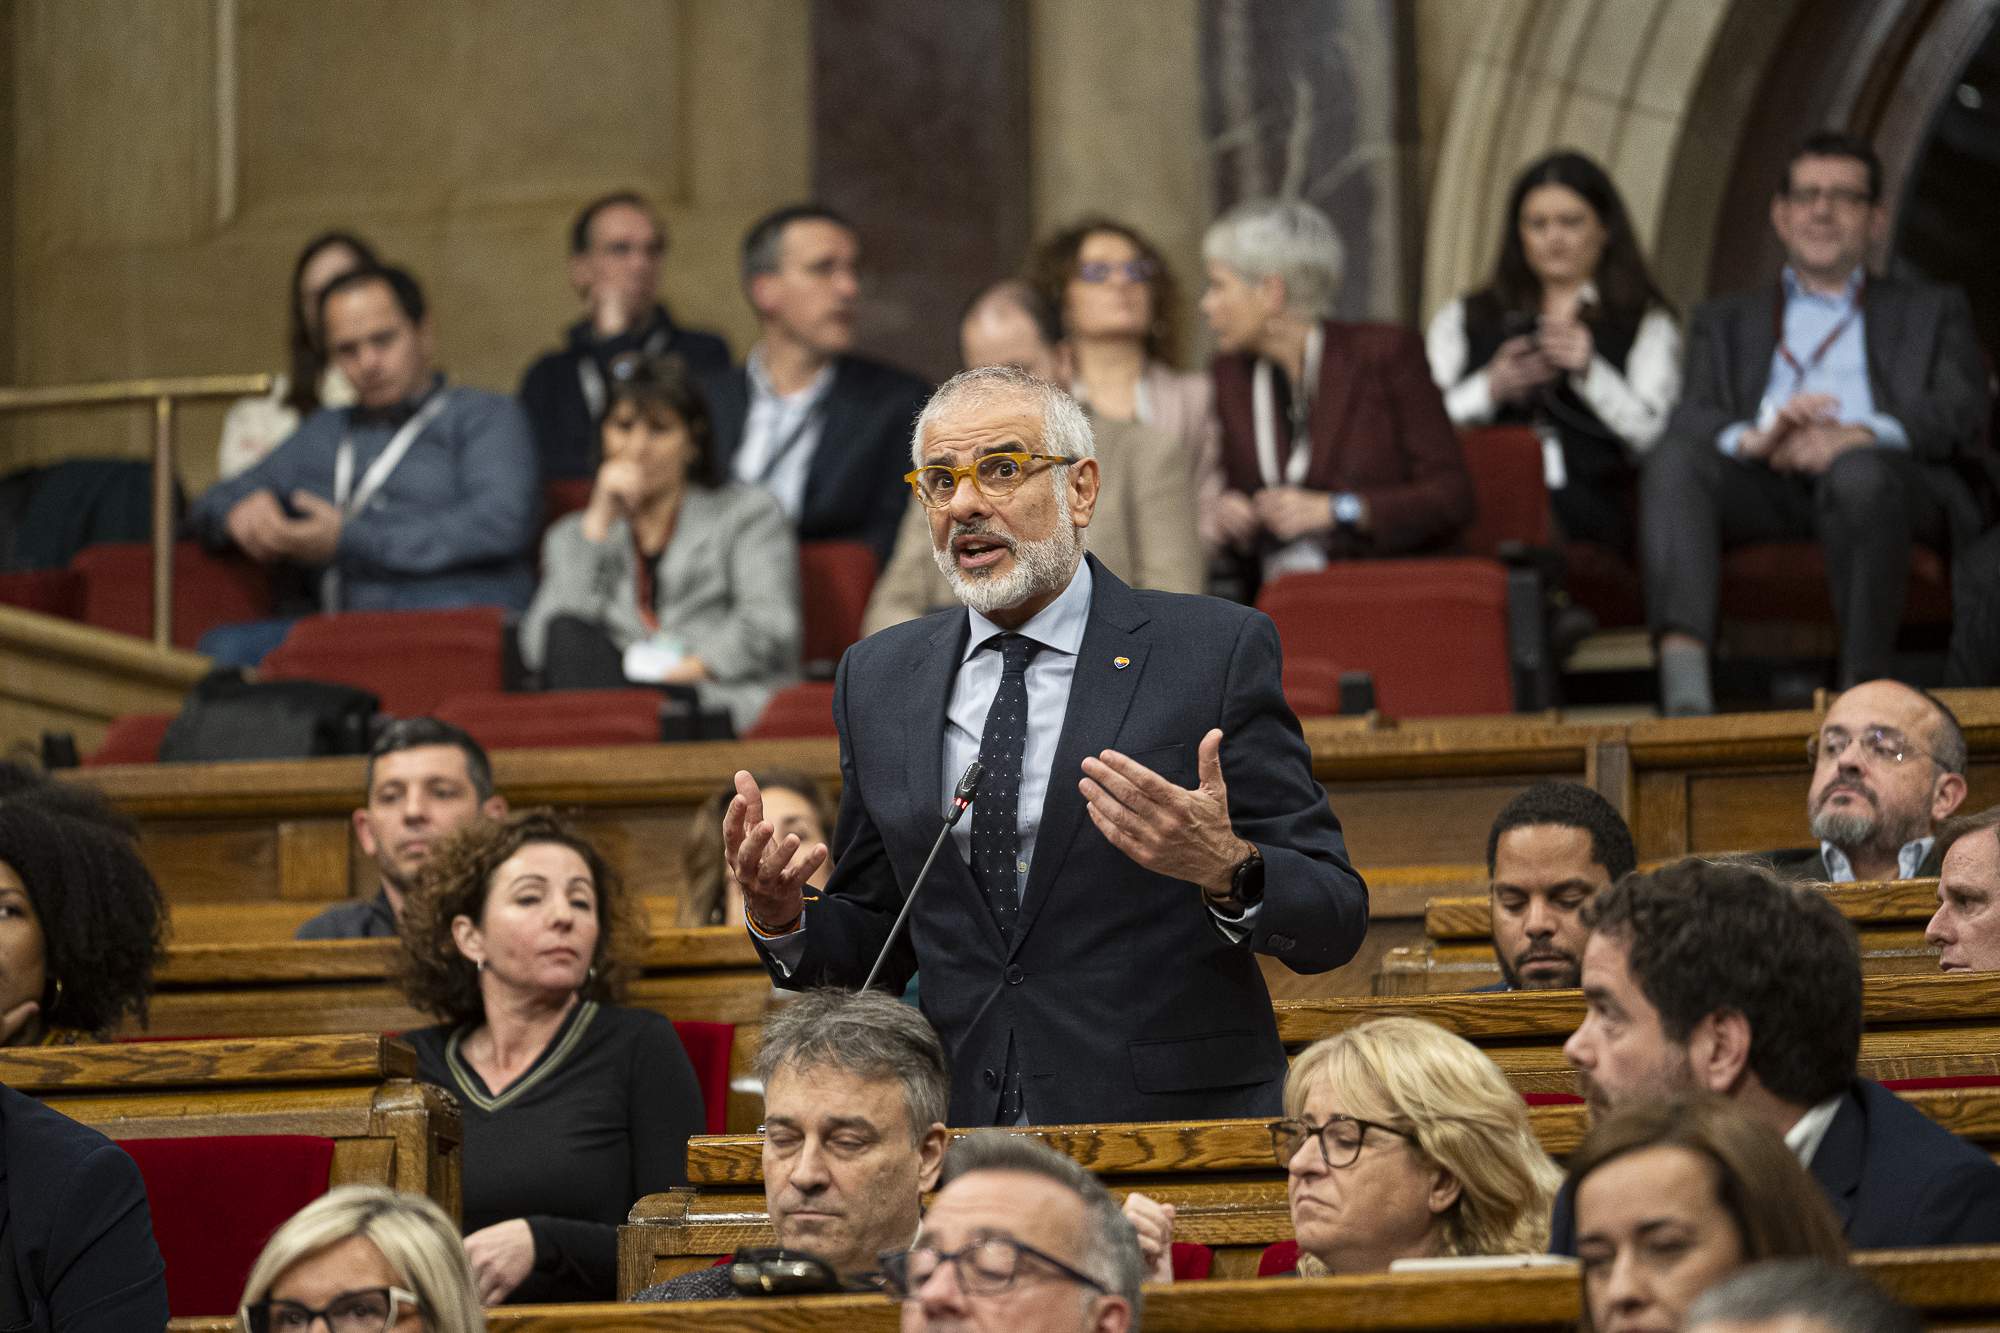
[
  {"x": 52, "y": 592},
  {"x": 411, "y": 660},
  {"x": 209, "y": 590}
]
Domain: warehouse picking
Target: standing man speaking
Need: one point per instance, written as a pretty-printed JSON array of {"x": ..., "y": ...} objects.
[{"x": 1146, "y": 822}]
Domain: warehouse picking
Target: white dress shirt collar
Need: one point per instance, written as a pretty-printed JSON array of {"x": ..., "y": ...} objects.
[
  {"x": 1059, "y": 625},
  {"x": 1805, "y": 1137}
]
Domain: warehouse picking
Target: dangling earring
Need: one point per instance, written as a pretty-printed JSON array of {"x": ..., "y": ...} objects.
[
  {"x": 480, "y": 966},
  {"x": 56, "y": 999}
]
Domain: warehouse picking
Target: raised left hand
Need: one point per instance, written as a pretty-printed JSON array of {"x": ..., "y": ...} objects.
[
  {"x": 1154, "y": 1223},
  {"x": 1183, "y": 833},
  {"x": 1291, "y": 512},
  {"x": 313, "y": 537},
  {"x": 502, "y": 1256}
]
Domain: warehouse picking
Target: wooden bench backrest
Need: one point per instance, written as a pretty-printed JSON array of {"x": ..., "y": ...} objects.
[
  {"x": 359, "y": 1091},
  {"x": 1877, "y": 903}
]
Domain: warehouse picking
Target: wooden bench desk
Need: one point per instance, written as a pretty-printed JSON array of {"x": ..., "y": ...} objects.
[{"x": 358, "y": 1090}]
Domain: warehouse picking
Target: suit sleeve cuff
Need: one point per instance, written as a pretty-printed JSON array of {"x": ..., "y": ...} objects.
[
  {"x": 1729, "y": 440},
  {"x": 1238, "y": 927},
  {"x": 787, "y": 951},
  {"x": 1887, "y": 430}
]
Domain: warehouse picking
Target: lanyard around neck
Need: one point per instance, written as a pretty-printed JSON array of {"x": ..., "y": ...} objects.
[
  {"x": 350, "y": 498},
  {"x": 1801, "y": 369},
  {"x": 1264, "y": 411}
]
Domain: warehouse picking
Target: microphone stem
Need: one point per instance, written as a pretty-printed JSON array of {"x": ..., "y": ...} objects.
[{"x": 910, "y": 901}]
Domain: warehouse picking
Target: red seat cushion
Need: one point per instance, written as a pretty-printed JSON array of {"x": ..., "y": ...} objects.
[
  {"x": 708, "y": 1047},
  {"x": 53, "y": 592},
  {"x": 1278, "y": 1258},
  {"x": 835, "y": 579},
  {"x": 1312, "y": 685},
  {"x": 1605, "y": 583},
  {"x": 1192, "y": 1262},
  {"x": 1432, "y": 633},
  {"x": 1510, "y": 495},
  {"x": 215, "y": 1201},
  {"x": 209, "y": 590},
  {"x": 556, "y": 718},
  {"x": 1787, "y": 581},
  {"x": 798, "y": 710},
  {"x": 132, "y": 739},
  {"x": 1942, "y": 1081},
  {"x": 410, "y": 660}
]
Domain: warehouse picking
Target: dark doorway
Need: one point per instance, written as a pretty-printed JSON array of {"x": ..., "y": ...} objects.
[{"x": 1945, "y": 228}]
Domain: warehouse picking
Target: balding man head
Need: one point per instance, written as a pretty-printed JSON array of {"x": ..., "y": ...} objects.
[
  {"x": 1888, "y": 767},
  {"x": 1010, "y": 324}
]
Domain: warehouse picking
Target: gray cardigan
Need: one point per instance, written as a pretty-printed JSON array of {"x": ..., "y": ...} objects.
[{"x": 727, "y": 587}]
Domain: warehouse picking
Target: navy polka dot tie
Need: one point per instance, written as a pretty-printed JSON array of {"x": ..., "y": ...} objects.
[{"x": 996, "y": 815}]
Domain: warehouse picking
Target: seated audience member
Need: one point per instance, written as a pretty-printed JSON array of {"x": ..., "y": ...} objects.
[
  {"x": 426, "y": 780},
  {"x": 76, "y": 1237},
  {"x": 670, "y": 575},
  {"x": 82, "y": 923},
  {"x": 255, "y": 426},
  {"x": 615, "y": 248},
  {"x": 1116, "y": 306},
  {"x": 1143, "y": 528},
  {"x": 361, "y": 1258},
  {"x": 1552, "y": 849},
  {"x": 520, "y": 937},
  {"x": 1720, "y": 978},
  {"x": 1834, "y": 405},
  {"x": 422, "y": 495},
  {"x": 855, "y": 1089},
  {"x": 1799, "y": 1296},
  {"x": 823, "y": 429},
  {"x": 1966, "y": 926},
  {"x": 1888, "y": 765},
  {"x": 1569, "y": 335},
  {"x": 1335, "y": 442},
  {"x": 1674, "y": 1196},
  {"x": 1018, "y": 1237},
  {"x": 794, "y": 804}
]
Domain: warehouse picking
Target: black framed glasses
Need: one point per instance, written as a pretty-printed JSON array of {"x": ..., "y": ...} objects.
[
  {"x": 1839, "y": 197},
  {"x": 987, "y": 1265},
  {"x": 371, "y": 1310},
  {"x": 1340, "y": 1138},
  {"x": 1135, "y": 270},
  {"x": 995, "y": 476},
  {"x": 1883, "y": 744}
]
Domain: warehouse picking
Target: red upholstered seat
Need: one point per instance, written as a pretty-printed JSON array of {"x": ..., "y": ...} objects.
[
  {"x": 1787, "y": 581},
  {"x": 798, "y": 710},
  {"x": 1433, "y": 633},
  {"x": 1278, "y": 1258},
  {"x": 215, "y": 1201},
  {"x": 53, "y": 592},
  {"x": 209, "y": 590},
  {"x": 708, "y": 1047},
  {"x": 1510, "y": 497},
  {"x": 411, "y": 660},
  {"x": 564, "y": 496},
  {"x": 1312, "y": 685},
  {"x": 835, "y": 579},
  {"x": 1942, "y": 1081},
  {"x": 1604, "y": 582},
  {"x": 1192, "y": 1262},
  {"x": 132, "y": 739},
  {"x": 556, "y": 718}
]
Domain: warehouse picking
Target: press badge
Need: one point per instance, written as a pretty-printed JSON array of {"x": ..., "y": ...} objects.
[{"x": 1554, "y": 475}]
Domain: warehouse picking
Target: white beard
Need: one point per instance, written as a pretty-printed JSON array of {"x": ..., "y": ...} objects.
[{"x": 1038, "y": 567}]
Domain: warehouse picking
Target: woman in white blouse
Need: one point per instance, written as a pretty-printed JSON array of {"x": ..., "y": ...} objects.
[{"x": 1570, "y": 336}]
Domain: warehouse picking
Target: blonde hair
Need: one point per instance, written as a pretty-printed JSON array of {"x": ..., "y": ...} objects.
[
  {"x": 1462, "y": 1116},
  {"x": 412, "y": 1233}
]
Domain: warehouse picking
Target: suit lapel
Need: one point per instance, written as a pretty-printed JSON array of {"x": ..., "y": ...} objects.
[
  {"x": 825, "y": 503},
  {"x": 1760, "y": 344},
  {"x": 925, "y": 689},
  {"x": 1882, "y": 319},
  {"x": 1837, "y": 1163},
  {"x": 1100, "y": 694},
  {"x": 1332, "y": 397}
]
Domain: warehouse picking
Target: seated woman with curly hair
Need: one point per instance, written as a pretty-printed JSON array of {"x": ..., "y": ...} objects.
[
  {"x": 520, "y": 937},
  {"x": 81, "y": 920}
]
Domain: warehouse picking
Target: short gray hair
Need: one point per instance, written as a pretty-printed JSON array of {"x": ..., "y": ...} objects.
[
  {"x": 1111, "y": 1246},
  {"x": 870, "y": 1035},
  {"x": 1287, "y": 239},
  {"x": 1837, "y": 1298},
  {"x": 1065, "y": 427}
]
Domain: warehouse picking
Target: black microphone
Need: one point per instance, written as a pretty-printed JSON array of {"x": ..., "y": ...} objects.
[{"x": 961, "y": 797}]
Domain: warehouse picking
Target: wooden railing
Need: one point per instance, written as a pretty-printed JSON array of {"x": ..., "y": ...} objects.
[{"x": 164, "y": 395}]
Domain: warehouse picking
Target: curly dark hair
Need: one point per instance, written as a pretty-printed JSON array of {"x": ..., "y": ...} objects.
[
  {"x": 1054, "y": 262},
  {"x": 102, "y": 918},
  {"x": 1705, "y": 937},
  {"x": 455, "y": 882},
  {"x": 1569, "y": 805}
]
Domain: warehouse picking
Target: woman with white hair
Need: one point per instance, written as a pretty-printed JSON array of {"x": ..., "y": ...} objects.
[
  {"x": 363, "y": 1259},
  {"x": 1335, "y": 440}
]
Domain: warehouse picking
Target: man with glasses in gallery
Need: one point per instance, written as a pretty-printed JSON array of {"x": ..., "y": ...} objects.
[
  {"x": 1888, "y": 766},
  {"x": 1830, "y": 404},
  {"x": 1146, "y": 821}
]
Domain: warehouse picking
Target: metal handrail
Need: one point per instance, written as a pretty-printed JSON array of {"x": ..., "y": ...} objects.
[{"x": 163, "y": 394}]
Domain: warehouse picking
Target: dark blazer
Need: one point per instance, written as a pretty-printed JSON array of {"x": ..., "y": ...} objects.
[
  {"x": 1123, "y": 999},
  {"x": 1924, "y": 369},
  {"x": 1808, "y": 864},
  {"x": 78, "y": 1251},
  {"x": 854, "y": 485},
  {"x": 1379, "y": 429},
  {"x": 1894, "y": 1176}
]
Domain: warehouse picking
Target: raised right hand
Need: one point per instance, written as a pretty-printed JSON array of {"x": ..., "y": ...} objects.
[
  {"x": 771, "y": 871},
  {"x": 1154, "y": 1223},
  {"x": 613, "y": 496}
]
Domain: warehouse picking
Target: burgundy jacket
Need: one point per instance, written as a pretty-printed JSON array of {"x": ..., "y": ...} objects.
[{"x": 1379, "y": 429}]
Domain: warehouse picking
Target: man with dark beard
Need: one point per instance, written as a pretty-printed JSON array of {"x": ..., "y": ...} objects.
[
  {"x": 1888, "y": 768},
  {"x": 1552, "y": 849}
]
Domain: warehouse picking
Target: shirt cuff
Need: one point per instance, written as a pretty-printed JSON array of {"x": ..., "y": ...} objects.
[
  {"x": 1888, "y": 431},
  {"x": 1239, "y": 927},
  {"x": 787, "y": 951},
  {"x": 1730, "y": 438}
]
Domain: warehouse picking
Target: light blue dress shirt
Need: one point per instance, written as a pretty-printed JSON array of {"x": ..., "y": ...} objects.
[
  {"x": 1909, "y": 858},
  {"x": 1842, "y": 372}
]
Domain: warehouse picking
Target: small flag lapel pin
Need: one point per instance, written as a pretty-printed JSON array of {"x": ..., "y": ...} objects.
[{"x": 1120, "y": 663}]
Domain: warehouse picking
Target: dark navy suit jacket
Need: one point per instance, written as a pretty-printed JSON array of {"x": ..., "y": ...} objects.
[
  {"x": 1895, "y": 1177},
  {"x": 1123, "y": 998},
  {"x": 76, "y": 1240}
]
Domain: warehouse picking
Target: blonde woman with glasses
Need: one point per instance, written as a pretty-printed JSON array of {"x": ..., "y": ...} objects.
[
  {"x": 363, "y": 1259},
  {"x": 1400, "y": 1141}
]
